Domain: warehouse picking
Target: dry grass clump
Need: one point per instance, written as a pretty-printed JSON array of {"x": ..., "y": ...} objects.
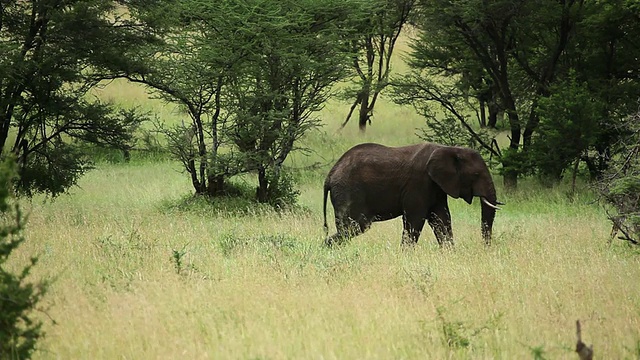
[{"x": 139, "y": 275}]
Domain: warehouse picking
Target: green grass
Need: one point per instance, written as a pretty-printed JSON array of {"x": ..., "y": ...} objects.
[{"x": 141, "y": 271}]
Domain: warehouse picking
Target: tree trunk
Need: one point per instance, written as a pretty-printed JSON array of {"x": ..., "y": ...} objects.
[
  {"x": 215, "y": 182},
  {"x": 363, "y": 117},
  {"x": 510, "y": 179},
  {"x": 494, "y": 111},
  {"x": 494, "y": 107},
  {"x": 483, "y": 115},
  {"x": 191, "y": 169},
  {"x": 511, "y": 175},
  {"x": 215, "y": 185},
  {"x": 262, "y": 192}
]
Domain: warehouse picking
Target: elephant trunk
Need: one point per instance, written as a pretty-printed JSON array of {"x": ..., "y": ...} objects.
[{"x": 489, "y": 206}]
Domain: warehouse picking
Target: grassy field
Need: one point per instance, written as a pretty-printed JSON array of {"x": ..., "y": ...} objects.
[{"x": 142, "y": 272}]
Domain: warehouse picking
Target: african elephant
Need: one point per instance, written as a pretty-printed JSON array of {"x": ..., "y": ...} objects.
[{"x": 373, "y": 182}]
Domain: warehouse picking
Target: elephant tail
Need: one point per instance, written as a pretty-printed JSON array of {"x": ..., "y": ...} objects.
[{"x": 327, "y": 188}]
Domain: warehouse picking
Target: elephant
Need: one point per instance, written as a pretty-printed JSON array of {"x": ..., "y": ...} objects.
[{"x": 372, "y": 182}]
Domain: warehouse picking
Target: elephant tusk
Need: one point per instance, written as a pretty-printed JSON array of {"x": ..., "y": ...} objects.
[
  {"x": 500, "y": 203},
  {"x": 489, "y": 204}
]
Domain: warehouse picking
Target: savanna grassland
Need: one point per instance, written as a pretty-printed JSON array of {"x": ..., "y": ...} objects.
[{"x": 142, "y": 271}]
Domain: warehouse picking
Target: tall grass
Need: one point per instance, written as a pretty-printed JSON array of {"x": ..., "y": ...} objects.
[{"x": 139, "y": 274}]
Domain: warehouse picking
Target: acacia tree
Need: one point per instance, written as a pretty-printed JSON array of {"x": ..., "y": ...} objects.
[
  {"x": 51, "y": 55},
  {"x": 601, "y": 65},
  {"x": 499, "y": 36},
  {"x": 190, "y": 67},
  {"x": 522, "y": 48},
  {"x": 250, "y": 74},
  {"x": 378, "y": 27},
  {"x": 288, "y": 75}
]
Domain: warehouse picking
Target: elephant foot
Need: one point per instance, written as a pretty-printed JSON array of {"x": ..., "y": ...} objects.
[
  {"x": 328, "y": 242},
  {"x": 446, "y": 244},
  {"x": 408, "y": 246},
  {"x": 335, "y": 239},
  {"x": 408, "y": 242}
]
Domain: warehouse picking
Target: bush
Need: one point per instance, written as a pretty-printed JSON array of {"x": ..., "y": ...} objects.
[
  {"x": 19, "y": 332},
  {"x": 570, "y": 124},
  {"x": 282, "y": 193},
  {"x": 620, "y": 186}
]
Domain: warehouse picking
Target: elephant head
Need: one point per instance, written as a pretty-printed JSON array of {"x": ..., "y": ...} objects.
[{"x": 462, "y": 173}]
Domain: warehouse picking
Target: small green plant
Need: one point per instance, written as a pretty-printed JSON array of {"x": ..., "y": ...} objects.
[
  {"x": 453, "y": 332},
  {"x": 176, "y": 256},
  {"x": 421, "y": 278},
  {"x": 278, "y": 241},
  {"x": 19, "y": 330},
  {"x": 228, "y": 243},
  {"x": 538, "y": 352},
  {"x": 180, "y": 264},
  {"x": 457, "y": 334}
]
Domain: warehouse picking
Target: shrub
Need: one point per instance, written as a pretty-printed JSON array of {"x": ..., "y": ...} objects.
[
  {"x": 281, "y": 191},
  {"x": 619, "y": 188},
  {"x": 19, "y": 331}
]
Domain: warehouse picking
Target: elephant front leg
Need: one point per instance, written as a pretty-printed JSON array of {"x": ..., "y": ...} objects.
[
  {"x": 440, "y": 222},
  {"x": 412, "y": 228}
]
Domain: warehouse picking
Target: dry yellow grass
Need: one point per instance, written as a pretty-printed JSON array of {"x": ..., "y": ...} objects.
[{"x": 260, "y": 285}]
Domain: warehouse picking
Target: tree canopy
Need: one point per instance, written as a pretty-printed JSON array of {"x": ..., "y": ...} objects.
[
  {"x": 51, "y": 55},
  {"x": 531, "y": 58},
  {"x": 377, "y": 25},
  {"x": 250, "y": 74}
]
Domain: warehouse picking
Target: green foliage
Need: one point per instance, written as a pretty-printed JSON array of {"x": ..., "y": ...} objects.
[
  {"x": 282, "y": 193},
  {"x": 516, "y": 162},
  {"x": 538, "y": 352},
  {"x": 378, "y": 25},
  {"x": 178, "y": 259},
  {"x": 286, "y": 78},
  {"x": 51, "y": 56},
  {"x": 619, "y": 187},
  {"x": 52, "y": 170},
  {"x": 446, "y": 114},
  {"x": 625, "y": 185},
  {"x": 446, "y": 131},
  {"x": 570, "y": 124},
  {"x": 457, "y": 334},
  {"x": 19, "y": 330},
  {"x": 564, "y": 73},
  {"x": 176, "y": 256},
  {"x": 251, "y": 85}
]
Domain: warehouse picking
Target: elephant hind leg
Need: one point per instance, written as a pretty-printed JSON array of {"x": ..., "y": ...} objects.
[{"x": 347, "y": 228}]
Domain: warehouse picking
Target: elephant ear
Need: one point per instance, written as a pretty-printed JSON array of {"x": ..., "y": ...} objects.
[{"x": 443, "y": 168}]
